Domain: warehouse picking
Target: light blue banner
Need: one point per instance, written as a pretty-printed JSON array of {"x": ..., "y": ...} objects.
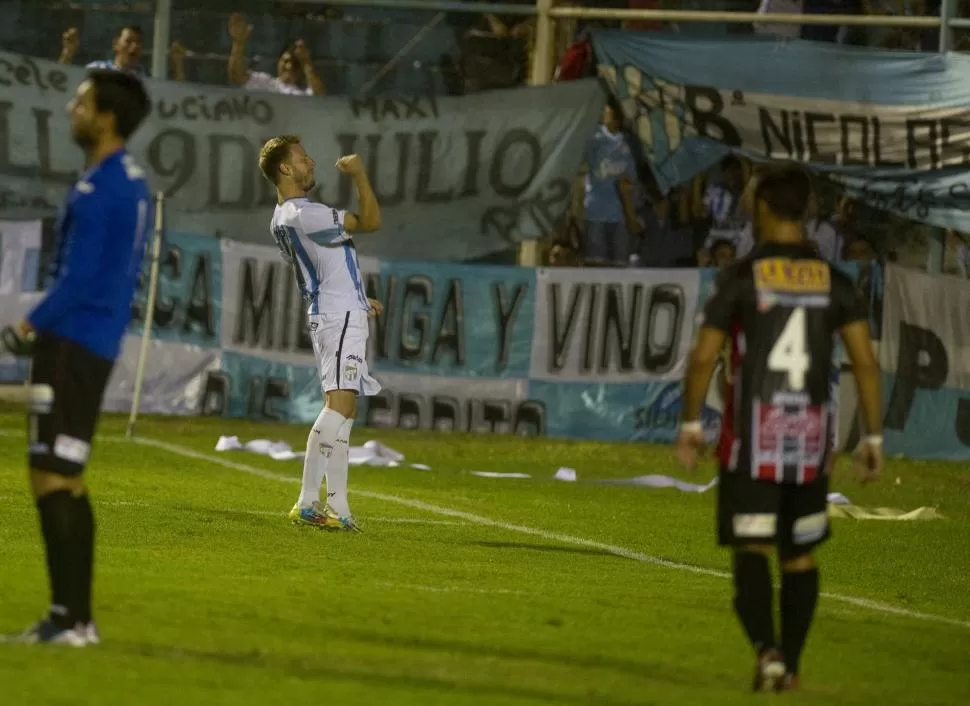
[
  {"x": 894, "y": 127},
  {"x": 930, "y": 423},
  {"x": 453, "y": 320},
  {"x": 257, "y": 388},
  {"x": 188, "y": 304}
]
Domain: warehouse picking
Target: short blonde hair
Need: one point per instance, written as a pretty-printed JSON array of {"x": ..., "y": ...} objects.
[{"x": 274, "y": 153}]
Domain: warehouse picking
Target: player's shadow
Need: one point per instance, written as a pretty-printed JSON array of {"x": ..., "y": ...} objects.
[
  {"x": 544, "y": 548},
  {"x": 320, "y": 668}
]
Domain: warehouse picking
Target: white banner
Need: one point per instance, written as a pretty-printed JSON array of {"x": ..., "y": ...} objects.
[
  {"x": 494, "y": 166},
  {"x": 613, "y": 325},
  {"x": 929, "y": 331}
]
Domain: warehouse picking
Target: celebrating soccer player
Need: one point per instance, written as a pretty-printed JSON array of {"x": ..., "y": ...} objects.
[
  {"x": 316, "y": 240},
  {"x": 75, "y": 335},
  {"x": 781, "y": 308}
]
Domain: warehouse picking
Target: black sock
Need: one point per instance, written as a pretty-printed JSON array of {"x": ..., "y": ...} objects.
[
  {"x": 753, "y": 598},
  {"x": 56, "y": 511},
  {"x": 83, "y": 551},
  {"x": 799, "y": 594}
]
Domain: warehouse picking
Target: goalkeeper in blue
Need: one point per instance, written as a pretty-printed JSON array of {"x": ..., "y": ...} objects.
[
  {"x": 317, "y": 241},
  {"x": 74, "y": 336}
]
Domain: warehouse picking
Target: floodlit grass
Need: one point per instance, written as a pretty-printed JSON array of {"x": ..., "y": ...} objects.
[{"x": 462, "y": 590}]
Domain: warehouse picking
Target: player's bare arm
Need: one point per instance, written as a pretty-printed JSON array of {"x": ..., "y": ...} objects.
[
  {"x": 700, "y": 369},
  {"x": 368, "y": 217},
  {"x": 865, "y": 368}
]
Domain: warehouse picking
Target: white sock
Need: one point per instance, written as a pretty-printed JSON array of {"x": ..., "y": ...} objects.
[
  {"x": 320, "y": 446},
  {"x": 337, "y": 472}
]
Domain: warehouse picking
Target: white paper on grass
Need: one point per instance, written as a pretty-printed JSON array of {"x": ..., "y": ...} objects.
[
  {"x": 566, "y": 474},
  {"x": 495, "y": 474},
  {"x": 372, "y": 453}
]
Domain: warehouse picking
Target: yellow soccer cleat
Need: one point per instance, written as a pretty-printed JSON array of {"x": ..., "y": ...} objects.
[{"x": 315, "y": 516}]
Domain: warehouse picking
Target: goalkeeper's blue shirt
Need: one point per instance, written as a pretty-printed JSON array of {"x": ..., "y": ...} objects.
[{"x": 100, "y": 244}]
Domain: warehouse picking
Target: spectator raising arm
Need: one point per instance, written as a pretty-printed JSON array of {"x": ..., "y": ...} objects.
[
  {"x": 240, "y": 32},
  {"x": 313, "y": 80},
  {"x": 176, "y": 55},
  {"x": 70, "y": 42},
  {"x": 292, "y": 63}
]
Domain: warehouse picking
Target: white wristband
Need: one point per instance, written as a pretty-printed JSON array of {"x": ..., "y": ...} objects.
[
  {"x": 691, "y": 427},
  {"x": 873, "y": 440}
]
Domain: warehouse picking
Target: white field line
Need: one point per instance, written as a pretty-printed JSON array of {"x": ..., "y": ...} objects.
[
  {"x": 553, "y": 536},
  {"x": 449, "y": 589},
  {"x": 256, "y": 513}
]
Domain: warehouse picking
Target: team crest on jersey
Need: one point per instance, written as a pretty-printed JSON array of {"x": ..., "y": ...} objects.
[
  {"x": 350, "y": 372},
  {"x": 782, "y": 274}
]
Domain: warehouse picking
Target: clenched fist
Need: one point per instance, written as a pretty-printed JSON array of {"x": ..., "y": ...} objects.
[{"x": 351, "y": 164}]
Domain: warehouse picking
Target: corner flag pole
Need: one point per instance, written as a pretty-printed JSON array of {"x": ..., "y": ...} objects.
[{"x": 146, "y": 334}]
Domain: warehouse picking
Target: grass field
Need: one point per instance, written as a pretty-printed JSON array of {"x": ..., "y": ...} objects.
[{"x": 463, "y": 590}]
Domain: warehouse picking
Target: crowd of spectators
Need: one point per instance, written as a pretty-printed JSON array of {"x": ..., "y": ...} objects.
[{"x": 619, "y": 217}]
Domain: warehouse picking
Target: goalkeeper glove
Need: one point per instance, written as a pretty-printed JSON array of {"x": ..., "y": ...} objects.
[{"x": 17, "y": 344}]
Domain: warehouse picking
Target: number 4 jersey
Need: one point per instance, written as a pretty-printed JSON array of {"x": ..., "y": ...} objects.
[{"x": 782, "y": 308}]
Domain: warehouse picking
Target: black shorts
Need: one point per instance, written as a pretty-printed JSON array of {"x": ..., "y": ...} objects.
[
  {"x": 794, "y": 517},
  {"x": 67, "y": 385}
]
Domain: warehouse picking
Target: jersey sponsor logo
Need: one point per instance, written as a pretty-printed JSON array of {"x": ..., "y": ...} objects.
[
  {"x": 782, "y": 274},
  {"x": 789, "y": 441}
]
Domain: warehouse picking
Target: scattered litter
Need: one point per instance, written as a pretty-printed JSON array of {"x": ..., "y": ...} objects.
[
  {"x": 657, "y": 481},
  {"x": 566, "y": 474},
  {"x": 372, "y": 453},
  {"x": 884, "y": 513},
  {"x": 494, "y": 474},
  {"x": 276, "y": 450}
]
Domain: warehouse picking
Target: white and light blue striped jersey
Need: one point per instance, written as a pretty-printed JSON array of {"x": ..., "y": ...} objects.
[{"x": 311, "y": 237}]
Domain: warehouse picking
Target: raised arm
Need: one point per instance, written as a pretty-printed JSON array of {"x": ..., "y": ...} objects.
[
  {"x": 368, "y": 216},
  {"x": 313, "y": 80},
  {"x": 70, "y": 41},
  {"x": 239, "y": 31}
]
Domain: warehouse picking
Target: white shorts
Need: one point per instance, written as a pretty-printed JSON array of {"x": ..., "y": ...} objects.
[{"x": 340, "y": 346}]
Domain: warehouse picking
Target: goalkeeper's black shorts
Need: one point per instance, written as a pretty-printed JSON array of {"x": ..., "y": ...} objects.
[{"x": 67, "y": 386}]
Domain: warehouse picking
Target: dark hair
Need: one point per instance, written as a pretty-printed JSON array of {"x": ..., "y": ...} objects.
[
  {"x": 122, "y": 95},
  {"x": 731, "y": 161},
  {"x": 786, "y": 191},
  {"x": 134, "y": 29},
  {"x": 720, "y": 243},
  {"x": 290, "y": 49},
  {"x": 274, "y": 153}
]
